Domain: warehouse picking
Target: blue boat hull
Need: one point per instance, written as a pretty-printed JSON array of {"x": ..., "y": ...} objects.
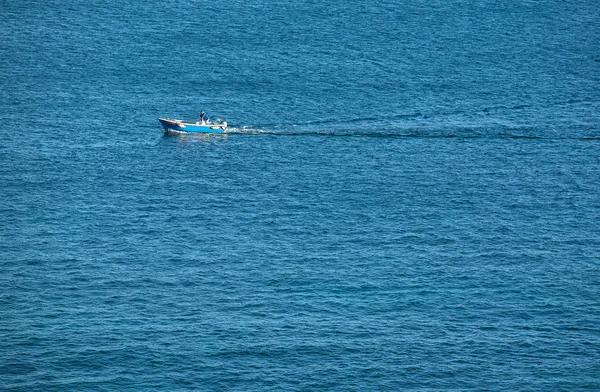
[{"x": 185, "y": 126}]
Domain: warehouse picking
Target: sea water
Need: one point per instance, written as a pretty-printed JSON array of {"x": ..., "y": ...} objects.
[{"x": 408, "y": 197}]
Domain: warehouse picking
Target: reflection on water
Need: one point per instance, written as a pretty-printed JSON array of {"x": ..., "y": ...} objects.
[{"x": 195, "y": 137}]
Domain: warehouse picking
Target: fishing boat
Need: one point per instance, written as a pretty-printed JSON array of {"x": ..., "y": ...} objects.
[{"x": 173, "y": 125}]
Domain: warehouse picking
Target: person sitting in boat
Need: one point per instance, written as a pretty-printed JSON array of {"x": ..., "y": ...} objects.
[{"x": 203, "y": 117}]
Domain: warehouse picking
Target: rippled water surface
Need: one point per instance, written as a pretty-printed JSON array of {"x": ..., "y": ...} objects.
[{"x": 408, "y": 196}]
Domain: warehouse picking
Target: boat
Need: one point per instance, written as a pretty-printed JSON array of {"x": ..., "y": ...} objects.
[{"x": 173, "y": 125}]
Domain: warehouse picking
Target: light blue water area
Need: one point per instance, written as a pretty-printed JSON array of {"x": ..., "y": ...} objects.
[{"x": 407, "y": 198}]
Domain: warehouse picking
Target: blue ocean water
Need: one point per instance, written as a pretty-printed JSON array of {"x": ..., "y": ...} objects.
[{"x": 408, "y": 197}]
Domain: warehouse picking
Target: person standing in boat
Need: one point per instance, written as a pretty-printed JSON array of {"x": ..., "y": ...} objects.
[{"x": 203, "y": 117}]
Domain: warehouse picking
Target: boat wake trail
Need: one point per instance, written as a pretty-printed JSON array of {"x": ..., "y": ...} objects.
[{"x": 427, "y": 132}]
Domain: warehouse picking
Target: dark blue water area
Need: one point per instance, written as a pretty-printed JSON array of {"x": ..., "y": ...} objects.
[{"x": 407, "y": 198}]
